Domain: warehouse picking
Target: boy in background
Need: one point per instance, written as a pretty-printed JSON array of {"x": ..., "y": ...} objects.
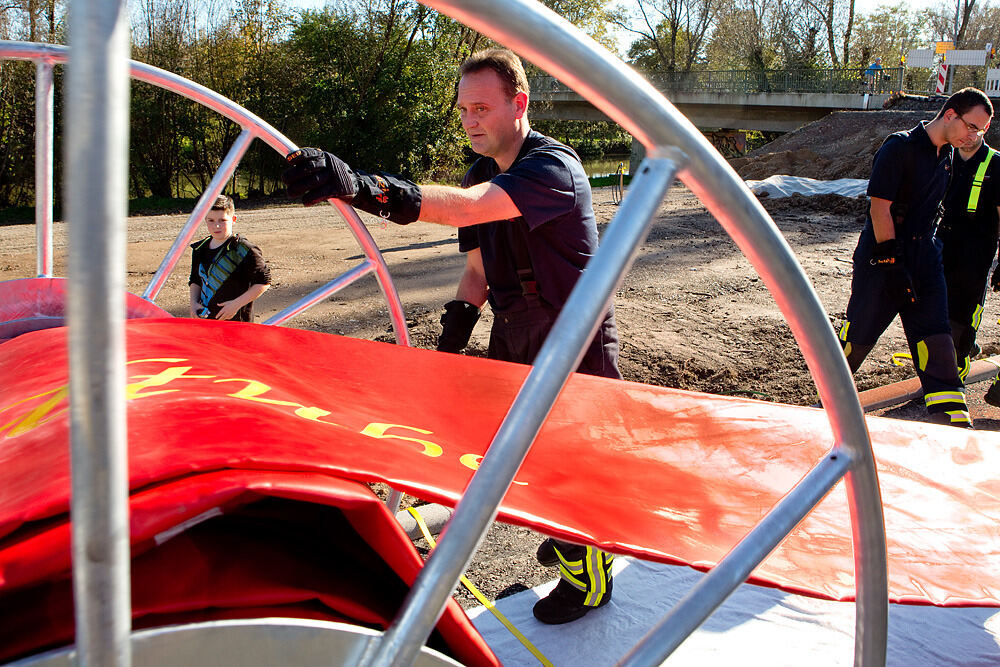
[{"x": 227, "y": 271}]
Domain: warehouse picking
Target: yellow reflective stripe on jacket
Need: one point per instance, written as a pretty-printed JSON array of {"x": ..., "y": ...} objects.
[
  {"x": 977, "y": 181},
  {"x": 938, "y": 397}
]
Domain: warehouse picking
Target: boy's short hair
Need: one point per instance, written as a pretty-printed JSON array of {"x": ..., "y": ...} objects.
[
  {"x": 502, "y": 61},
  {"x": 224, "y": 203},
  {"x": 965, "y": 100}
]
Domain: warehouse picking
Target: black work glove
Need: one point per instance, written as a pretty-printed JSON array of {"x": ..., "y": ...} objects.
[
  {"x": 457, "y": 322},
  {"x": 995, "y": 279},
  {"x": 316, "y": 176},
  {"x": 889, "y": 257}
]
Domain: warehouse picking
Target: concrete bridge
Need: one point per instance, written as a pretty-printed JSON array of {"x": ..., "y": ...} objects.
[{"x": 771, "y": 100}]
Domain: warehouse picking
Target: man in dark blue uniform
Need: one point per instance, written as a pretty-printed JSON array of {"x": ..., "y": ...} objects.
[
  {"x": 897, "y": 263},
  {"x": 527, "y": 229},
  {"x": 968, "y": 233}
]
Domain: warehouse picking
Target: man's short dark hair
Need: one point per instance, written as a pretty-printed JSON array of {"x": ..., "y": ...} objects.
[
  {"x": 502, "y": 61},
  {"x": 965, "y": 101}
]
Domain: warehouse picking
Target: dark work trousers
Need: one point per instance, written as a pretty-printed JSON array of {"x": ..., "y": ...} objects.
[
  {"x": 967, "y": 256},
  {"x": 876, "y": 300},
  {"x": 517, "y": 335}
]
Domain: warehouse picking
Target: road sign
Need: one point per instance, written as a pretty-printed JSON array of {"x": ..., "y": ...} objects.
[
  {"x": 920, "y": 58},
  {"x": 966, "y": 57}
]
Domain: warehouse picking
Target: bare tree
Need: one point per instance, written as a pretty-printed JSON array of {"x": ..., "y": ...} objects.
[
  {"x": 950, "y": 21},
  {"x": 837, "y": 17},
  {"x": 674, "y": 30}
]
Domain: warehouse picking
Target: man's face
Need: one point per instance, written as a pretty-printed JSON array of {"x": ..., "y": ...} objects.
[
  {"x": 962, "y": 131},
  {"x": 488, "y": 115},
  {"x": 220, "y": 224}
]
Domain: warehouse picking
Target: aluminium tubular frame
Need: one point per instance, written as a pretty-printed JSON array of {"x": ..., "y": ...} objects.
[
  {"x": 674, "y": 147},
  {"x": 672, "y": 144}
]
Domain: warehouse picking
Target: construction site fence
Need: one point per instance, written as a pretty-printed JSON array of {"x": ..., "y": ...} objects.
[{"x": 846, "y": 81}]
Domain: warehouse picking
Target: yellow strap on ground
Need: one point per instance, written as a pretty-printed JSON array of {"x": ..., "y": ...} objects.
[
  {"x": 899, "y": 358},
  {"x": 482, "y": 598}
]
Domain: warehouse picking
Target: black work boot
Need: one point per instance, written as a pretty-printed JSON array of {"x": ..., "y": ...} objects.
[
  {"x": 959, "y": 420},
  {"x": 993, "y": 393},
  {"x": 546, "y": 553},
  {"x": 565, "y": 604}
]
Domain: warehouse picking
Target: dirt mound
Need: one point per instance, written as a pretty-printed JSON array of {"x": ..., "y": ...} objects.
[
  {"x": 850, "y": 207},
  {"x": 840, "y": 145}
]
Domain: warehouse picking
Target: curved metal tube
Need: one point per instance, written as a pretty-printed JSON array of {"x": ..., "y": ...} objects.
[
  {"x": 254, "y": 128},
  {"x": 557, "y": 47},
  {"x": 559, "y": 356}
]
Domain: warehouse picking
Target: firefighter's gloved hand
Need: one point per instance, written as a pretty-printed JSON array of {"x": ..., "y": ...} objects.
[
  {"x": 995, "y": 279},
  {"x": 889, "y": 257},
  {"x": 316, "y": 176},
  {"x": 457, "y": 322}
]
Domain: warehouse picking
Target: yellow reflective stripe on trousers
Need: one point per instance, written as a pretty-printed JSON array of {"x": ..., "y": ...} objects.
[
  {"x": 977, "y": 316},
  {"x": 571, "y": 579},
  {"x": 938, "y": 397},
  {"x": 482, "y": 598},
  {"x": 977, "y": 181},
  {"x": 963, "y": 369},
  {"x": 921, "y": 360},
  {"x": 843, "y": 331},
  {"x": 572, "y": 566},
  {"x": 597, "y": 576},
  {"x": 959, "y": 416}
]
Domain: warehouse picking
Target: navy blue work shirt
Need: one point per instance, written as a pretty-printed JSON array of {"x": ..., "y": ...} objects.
[
  {"x": 550, "y": 188},
  {"x": 909, "y": 171}
]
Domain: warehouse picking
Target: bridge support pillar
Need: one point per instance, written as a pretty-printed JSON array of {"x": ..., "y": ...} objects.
[{"x": 636, "y": 156}]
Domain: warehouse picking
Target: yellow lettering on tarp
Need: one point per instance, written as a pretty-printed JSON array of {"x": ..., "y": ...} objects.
[
  {"x": 472, "y": 462},
  {"x": 40, "y": 414},
  {"x": 167, "y": 375},
  {"x": 253, "y": 392},
  {"x": 378, "y": 430}
]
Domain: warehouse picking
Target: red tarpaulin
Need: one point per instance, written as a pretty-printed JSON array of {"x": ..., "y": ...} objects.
[{"x": 661, "y": 474}]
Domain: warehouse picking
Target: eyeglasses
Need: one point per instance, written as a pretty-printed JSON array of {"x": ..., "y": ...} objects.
[{"x": 972, "y": 128}]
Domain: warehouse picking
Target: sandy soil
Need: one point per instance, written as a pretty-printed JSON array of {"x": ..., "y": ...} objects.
[{"x": 692, "y": 312}]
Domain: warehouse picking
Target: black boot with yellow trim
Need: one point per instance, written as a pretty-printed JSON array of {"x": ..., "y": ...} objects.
[{"x": 585, "y": 583}]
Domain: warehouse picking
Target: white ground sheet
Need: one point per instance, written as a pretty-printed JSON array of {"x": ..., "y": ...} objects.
[
  {"x": 783, "y": 186},
  {"x": 755, "y": 626}
]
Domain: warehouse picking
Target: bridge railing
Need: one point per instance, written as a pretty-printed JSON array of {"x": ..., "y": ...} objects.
[{"x": 843, "y": 80}]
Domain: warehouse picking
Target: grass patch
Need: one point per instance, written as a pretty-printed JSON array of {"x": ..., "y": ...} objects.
[
  {"x": 161, "y": 205},
  {"x": 603, "y": 181},
  {"x": 17, "y": 215}
]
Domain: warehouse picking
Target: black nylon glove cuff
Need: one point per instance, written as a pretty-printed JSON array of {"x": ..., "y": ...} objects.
[
  {"x": 886, "y": 253},
  {"x": 457, "y": 323},
  {"x": 888, "y": 256},
  {"x": 388, "y": 196}
]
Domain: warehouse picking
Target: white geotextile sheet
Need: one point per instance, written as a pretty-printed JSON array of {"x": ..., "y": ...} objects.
[
  {"x": 783, "y": 186},
  {"x": 755, "y": 626}
]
